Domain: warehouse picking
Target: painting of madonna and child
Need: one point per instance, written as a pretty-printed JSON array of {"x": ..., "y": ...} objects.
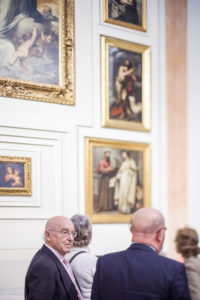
[
  {"x": 29, "y": 40},
  {"x": 125, "y": 85},
  {"x": 119, "y": 175},
  {"x": 15, "y": 176}
]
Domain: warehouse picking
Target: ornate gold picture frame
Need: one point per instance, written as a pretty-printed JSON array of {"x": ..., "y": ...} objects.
[
  {"x": 117, "y": 175},
  {"x": 126, "y": 13},
  {"x": 15, "y": 176},
  {"x": 37, "y": 51},
  {"x": 125, "y": 84}
]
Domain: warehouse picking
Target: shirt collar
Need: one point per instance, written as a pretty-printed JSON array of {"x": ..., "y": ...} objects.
[{"x": 57, "y": 254}]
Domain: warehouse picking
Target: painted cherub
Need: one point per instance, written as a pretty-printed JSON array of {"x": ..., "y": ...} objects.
[
  {"x": 17, "y": 179},
  {"x": 22, "y": 50}
]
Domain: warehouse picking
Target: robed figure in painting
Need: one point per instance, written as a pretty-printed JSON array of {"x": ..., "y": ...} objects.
[
  {"x": 125, "y": 186},
  {"x": 107, "y": 169}
]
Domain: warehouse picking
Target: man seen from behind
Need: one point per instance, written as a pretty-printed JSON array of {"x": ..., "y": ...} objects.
[{"x": 139, "y": 272}]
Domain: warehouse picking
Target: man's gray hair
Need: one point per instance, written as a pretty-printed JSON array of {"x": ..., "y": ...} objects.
[{"x": 83, "y": 227}]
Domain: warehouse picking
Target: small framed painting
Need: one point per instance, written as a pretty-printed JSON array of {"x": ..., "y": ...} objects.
[
  {"x": 15, "y": 176},
  {"x": 126, "y": 13}
]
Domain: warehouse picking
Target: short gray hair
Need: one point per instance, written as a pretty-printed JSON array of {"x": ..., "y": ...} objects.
[{"x": 83, "y": 227}]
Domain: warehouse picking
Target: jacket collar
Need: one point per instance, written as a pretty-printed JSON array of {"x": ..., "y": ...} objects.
[
  {"x": 67, "y": 282},
  {"x": 144, "y": 247}
]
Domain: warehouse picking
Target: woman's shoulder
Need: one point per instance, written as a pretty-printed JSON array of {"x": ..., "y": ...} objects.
[
  {"x": 81, "y": 254},
  {"x": 192, "y": 262}
]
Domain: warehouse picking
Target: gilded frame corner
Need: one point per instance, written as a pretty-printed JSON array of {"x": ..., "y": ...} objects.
[
  {"x": 90, "y": 167},
  {"x": 107, "y": 88},
  {"x": 24, "y": 189},
  {"x": 64, "y": 92}
]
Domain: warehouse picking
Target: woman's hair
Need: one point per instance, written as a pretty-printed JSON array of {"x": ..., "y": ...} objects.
[
  {"x": 83, "y": 228},
  {"x": 187, "y": 242}
]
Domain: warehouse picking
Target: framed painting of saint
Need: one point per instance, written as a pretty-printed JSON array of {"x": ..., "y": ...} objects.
[
  {"x": 117, "y": 179},
  {"x": 37, "y": 50},
  {"x": 125, "y": 84},
  {"x": 15, "y": 176},
  {"x": 131, "y": 14}
]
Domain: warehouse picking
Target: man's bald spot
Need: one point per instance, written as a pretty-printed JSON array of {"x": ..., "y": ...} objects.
[
  {"x": 55, "y": 222},
  {"x": 147, "y": 220}
]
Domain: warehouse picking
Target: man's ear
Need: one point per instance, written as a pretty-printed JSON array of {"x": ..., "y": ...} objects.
[
  {"x": 47, "y": 236},
  {"x": 159, "y": 236}
]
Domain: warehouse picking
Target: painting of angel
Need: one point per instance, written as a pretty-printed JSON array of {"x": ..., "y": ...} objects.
[{"x": 29, "y": 40}]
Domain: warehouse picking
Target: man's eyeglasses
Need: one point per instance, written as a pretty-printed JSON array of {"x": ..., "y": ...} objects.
[{"x": 66, "y": 233}]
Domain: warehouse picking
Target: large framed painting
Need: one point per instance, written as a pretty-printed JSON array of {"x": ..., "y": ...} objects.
[
  {"x": 126, "y": 13},
  {"x": 37, "y": 50},
  {"x": 117, "y": 178},
  {"x": 125, "y": 84},
  {"x": 15, "y": 176}
]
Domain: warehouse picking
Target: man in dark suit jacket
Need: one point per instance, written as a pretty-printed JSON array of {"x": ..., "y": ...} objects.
[
  {"x": 49, "y": 276},
  {"x": 139, "y": 273}
]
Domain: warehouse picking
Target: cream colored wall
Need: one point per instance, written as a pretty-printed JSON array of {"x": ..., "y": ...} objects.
[
  {"x": 193, "y": 113},
  {"x": 176, "y": 93},
  {"x": 54, "y": 137}
]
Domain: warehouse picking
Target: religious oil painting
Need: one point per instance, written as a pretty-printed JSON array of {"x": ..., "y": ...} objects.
[
  {"x": 125, "y": 84},
  {"x": 37, "y": 50},
  {"x": 117, "y": 179},
  {"x": 15, "y": 176},
  {"x": 126, "y": 13}
]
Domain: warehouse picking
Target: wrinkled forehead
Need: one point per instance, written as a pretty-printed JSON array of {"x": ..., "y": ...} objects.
[
  {"x": 59, "y": 223},
  {"x": 64, "y": 225}
]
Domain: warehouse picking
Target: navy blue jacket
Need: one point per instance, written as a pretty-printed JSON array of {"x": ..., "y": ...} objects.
[
  {"x": 47, "y": 279},
  {"x": 139, "y": 273}
]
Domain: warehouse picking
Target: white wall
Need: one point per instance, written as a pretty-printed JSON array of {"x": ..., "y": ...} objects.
[{"x": 54, "y": 136}]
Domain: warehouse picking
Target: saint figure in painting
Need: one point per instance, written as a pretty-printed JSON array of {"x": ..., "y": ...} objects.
[
  {"x": 125, "y": 186},
  {"x": 8, "y": 178},
  {"x": 107, "y": 169},
  {"x": 125, "y": 106}
]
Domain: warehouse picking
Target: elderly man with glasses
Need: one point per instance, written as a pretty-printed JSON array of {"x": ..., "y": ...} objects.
[
  {"x": 139, "y": 272},
  {"x": 49, "y": 276}
]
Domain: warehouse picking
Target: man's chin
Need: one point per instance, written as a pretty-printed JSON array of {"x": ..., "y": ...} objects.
[{"x": 67, "y": 248}]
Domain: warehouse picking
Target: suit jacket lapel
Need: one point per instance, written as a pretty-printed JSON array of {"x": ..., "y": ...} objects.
[{"x": 67, "y": 282}]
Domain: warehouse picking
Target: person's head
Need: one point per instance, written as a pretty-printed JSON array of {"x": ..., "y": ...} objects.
[
  {"x": 48, "y": 38},
  {"x": 107, "y": 155},
  {"x": 148, "y": 227},
  {"x": 125, "y": 154},
  {"x": 128, "y": 63},
  {"x": 27, "y": 36},
  {"x": 46, "y": 9},
  {"x": 187, "y": 242},
  {"x": 59, "y": 234},
  {"x": 9, "y": 170},
  {"x": 16, "y": 172},
  {"x": 83, "y": 229}
]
